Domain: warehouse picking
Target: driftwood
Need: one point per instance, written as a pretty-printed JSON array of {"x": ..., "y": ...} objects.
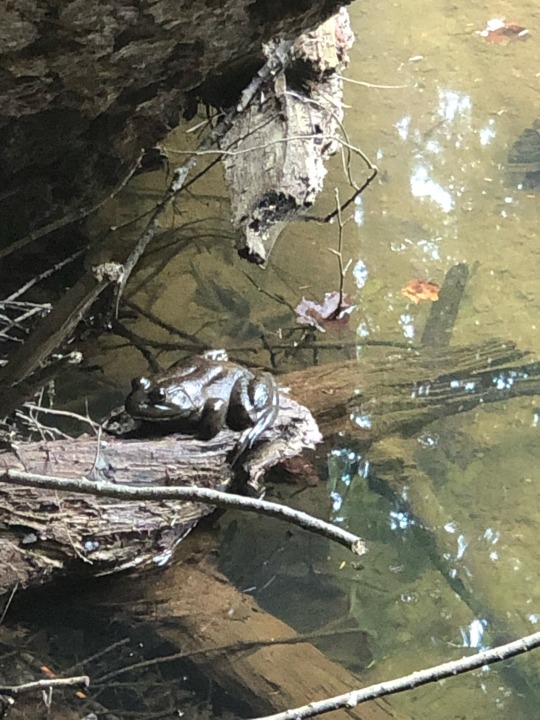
[
  {"x": 275, "y": 166},
  {"x": 45, "y": 534}
]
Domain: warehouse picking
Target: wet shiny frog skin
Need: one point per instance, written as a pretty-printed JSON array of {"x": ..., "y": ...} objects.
[{"x": 204, "y": 395}]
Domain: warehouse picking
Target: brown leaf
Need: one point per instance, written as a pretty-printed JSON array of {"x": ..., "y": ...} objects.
[
  {"x": 416, "y": 290},
  {"x": 330, "y": 315},
  {"x": 300, "y": 468},
  {"x": 502, "y": 32}
]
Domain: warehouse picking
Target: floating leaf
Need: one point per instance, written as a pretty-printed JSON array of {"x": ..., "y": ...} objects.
[
  {"x": 416, "y": 290},
  {"x": 499, "y": 31},
  {"x": 332, "y": 314}
]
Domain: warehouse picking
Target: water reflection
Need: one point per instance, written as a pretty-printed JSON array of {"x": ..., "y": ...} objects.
[
  {"x": 422, "y": 186},
  {"x": 473, "y": 634}
]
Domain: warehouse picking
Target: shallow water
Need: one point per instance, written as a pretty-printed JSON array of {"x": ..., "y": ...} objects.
[{"x": 453, "y": 560}]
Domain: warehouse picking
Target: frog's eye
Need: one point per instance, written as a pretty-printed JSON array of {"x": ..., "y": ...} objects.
[
  {"x": 141, "y": 383},
  {"x": 157, "y": 395}
]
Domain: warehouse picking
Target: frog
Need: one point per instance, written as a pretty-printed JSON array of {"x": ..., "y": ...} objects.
[{"x": 204, "y": 395}]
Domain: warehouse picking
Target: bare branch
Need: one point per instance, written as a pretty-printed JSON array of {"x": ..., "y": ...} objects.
[
  {"x": 408, "y": 682},
  {"x": 205, "y": 495},
  {"x": 14, "y": 690}
]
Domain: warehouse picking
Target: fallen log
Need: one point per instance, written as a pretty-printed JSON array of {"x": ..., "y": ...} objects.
[{"x": 45, "y": 534}]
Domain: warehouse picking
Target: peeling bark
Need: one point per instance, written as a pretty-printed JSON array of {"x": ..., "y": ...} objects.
[{"x": 289, "y": 133}]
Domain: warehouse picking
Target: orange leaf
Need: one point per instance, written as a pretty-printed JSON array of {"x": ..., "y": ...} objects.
[{"x": 416, "y": 290}]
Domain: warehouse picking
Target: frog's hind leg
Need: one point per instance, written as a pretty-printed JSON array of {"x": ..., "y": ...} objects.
[{"x": 213, "y": 418}]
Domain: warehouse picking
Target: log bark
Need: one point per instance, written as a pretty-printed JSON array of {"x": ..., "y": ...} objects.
[{"x": 45, "y": 534}]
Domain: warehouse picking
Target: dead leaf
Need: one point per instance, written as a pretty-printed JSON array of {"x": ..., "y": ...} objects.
[
  {"x": 301, "y": 469},
  {"x": 332, "y": 314},
  {"x": 502, "y": 32},
  {"x": 416, "y": 290}
]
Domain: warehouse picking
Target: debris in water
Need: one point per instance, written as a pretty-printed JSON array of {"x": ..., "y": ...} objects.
[
  {"x": 499, "y": 31},
  {"x": 416, "y": 290},
  {"x": 332, "y": 314}
]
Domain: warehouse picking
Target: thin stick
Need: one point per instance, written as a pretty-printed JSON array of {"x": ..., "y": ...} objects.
[
  {"x": 8, "y": 603},
  {"x": 339, "y": 255},
  {"x": 15, "y": 690},
  {"x": 374, "y": 85},
  {"x": 195, "y": 494},
  {"x": 44, "y": 275},
  {"x": 239, "y": 646},
  {"x": 408, "y": 682}
]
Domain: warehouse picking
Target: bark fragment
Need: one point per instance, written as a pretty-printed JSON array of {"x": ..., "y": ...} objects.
[{"x": 278, "y": 147}]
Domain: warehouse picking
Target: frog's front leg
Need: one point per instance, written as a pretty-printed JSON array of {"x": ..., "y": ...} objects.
[{"x": 213, "y": 418}]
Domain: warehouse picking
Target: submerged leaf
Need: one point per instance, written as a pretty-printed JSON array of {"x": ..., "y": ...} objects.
[
  {"x": 332, "y": 314},
  {"x": 416, "y": 290},
  {"x": 499, "y": 31}
]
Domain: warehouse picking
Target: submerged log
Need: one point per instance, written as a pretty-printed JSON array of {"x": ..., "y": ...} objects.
[
  {"x": 402, "y": 390},
  {"x": 260, "y": 660}
]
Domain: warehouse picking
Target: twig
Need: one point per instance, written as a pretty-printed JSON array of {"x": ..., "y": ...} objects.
[
  {"x": 194, "y": 494},
  {"x": 15, "y": 690},
  {"x": 8, "y": 602},
  {"x": 64, "y": 413},
  {"x": 339, "y": 255},
  {"x": 374, "y": 85},
  {"x": 239, "y": 646},
  {"x": 328, "y": 218},
  {"x": 408, "y": 682},
  {"x": 44, "y": 275},
  {"x": 204, "y": 150}
]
